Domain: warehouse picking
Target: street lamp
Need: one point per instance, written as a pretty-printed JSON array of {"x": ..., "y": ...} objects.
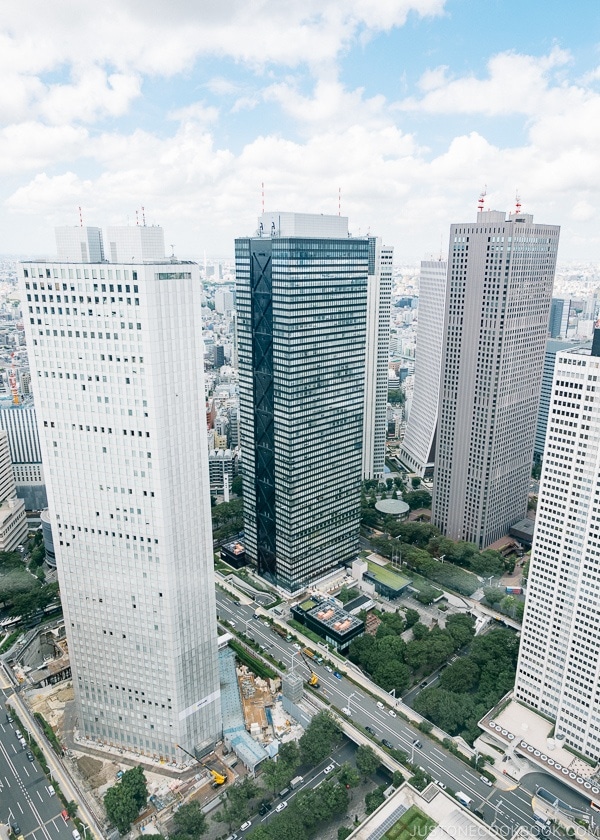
[
  {"x": 412, "y": 751},
  {"x": 349, "y": 698},
  {"x": 441, "y": 558}
]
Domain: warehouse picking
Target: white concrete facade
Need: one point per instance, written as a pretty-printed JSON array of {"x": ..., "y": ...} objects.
[
  {"x": 117, "y": 370},
  {"x": 419, "y": 440},
  {"x": 377, "y": 351},
  {"x": 559, "y": 671},
  {"x": 498, "y": 292},
  {"x": 13, "y": 520}
]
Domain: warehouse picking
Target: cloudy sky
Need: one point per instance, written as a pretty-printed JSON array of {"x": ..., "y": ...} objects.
[{"x": 186, "y": 107}]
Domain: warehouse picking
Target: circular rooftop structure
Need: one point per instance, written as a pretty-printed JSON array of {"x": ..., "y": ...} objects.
[{"x": 393, "y": 507}]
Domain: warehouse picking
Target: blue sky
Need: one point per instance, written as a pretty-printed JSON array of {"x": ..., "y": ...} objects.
[{"x": 409, "y": 106}]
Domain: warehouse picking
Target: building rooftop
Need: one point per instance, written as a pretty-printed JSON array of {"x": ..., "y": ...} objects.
[
  {"x": 386, "y": 576},
  {"x": 392, "y": 507},
  {"x": 333, "y": 617}
]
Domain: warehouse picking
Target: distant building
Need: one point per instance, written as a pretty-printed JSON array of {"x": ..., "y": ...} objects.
[
  {"x": 552, "y": 348},
  {"x": 418, "y": 446},
  {"x": 13, "y": 521},
  {"x": 221, "y": 463},
  {"x": 19, "y": 422},
  {"x": 224, "y": 301},
  {"x": 560, "y": 311},
  {"x": 79, "y": 244},
  {"x": 234, "y": 553},
  {"x": 500, "y": 278},
  {"x": 379, "y": 294}
]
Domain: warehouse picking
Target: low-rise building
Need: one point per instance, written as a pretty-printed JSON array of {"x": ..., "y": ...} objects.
[{"x": 336, "y": 626}]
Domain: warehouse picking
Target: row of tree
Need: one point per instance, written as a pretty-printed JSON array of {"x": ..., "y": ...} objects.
[
  {"x": 472, "y": 685},
  {"x": 393, "y": 663}
]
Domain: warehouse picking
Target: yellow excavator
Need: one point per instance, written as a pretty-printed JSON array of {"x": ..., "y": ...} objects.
[
  {"x": 313, "y": 679},
  {"x": 218, "y": 778}
]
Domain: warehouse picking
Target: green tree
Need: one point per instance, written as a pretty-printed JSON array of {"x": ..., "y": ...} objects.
[
  {"x": 344, "y": 832},
  {"x": 366, "y": 761},
  {"x": 493, "y": 594},
  {"x": 415, "y": 482},
  {"x": 396, "y": 397},
  {"x": 348, "y": 775},
  {"x": 374, "y": 799},
  {"x": 71, "y": 808},
  {"x": 461, "y": 677},
  {"x": 420, "y": 630},
  {"x": 397, "y": 779},
  {"x": 411, "y": 616},
  {"x": 124, "y": 799},
  {"x": 237, "y": 486},
  {"x": 461, "y": 628},
  {"x": 320, "y": 736},
  {"x": 190, "y": 822}
]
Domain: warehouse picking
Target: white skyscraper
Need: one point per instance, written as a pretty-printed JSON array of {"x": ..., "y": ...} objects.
[
  {"x": 559, "y": 669},
  {"x": 419, "y": 440},
  {"x": 377, "y": 351},
  {"x": 498, "y": 292},
  {"x": 117, "y": 370},
  {"x": 13, "y": 521}
]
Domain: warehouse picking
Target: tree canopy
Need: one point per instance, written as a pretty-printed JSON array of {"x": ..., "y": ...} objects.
[{"x": 124, "y": 799}]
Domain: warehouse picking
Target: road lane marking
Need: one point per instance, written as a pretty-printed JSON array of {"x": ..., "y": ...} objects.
[
  {"x": 20, "y": 809},
  {"x": 40, "y": 795}
]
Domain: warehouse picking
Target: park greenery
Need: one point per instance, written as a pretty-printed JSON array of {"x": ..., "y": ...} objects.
[
  {"x": 22, "y": 589},
  {"x": 189, "y": 822},
  {"x": 348, "y": 593},
  {"x": 124, "y": 800},
  {"x": 236, "y": 805},
  {"x": 497, "y": 598},
  {"x": 227, "y": 519},
  {"x": 472, "y": 685},
  {"x": 393, "y": 663}
]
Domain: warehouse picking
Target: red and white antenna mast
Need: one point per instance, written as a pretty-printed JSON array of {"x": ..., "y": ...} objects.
[
  {"x": 137, "y": 218},
  {"x": 262, "y": 186},
  {"x": 339, "y": 201},
  {"x": 517, "y": 203},
  {"x": 80, "y": 218},
  {"x": 481, "y": 201},
  {"x": 144, "y": 216}
]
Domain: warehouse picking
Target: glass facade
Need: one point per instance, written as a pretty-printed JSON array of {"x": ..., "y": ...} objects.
[{"x": 301, "y": 306}]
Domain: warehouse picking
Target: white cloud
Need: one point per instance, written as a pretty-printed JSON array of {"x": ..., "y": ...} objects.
[{"x": 29, "y": 146}]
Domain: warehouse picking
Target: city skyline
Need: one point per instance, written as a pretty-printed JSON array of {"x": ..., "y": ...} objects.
[{"x": 429, "y": 100}]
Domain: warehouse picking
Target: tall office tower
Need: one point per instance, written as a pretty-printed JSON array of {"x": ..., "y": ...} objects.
[
  {"x": 13, "y": 521},
  {"x": 377, "y": 352},
  {"x": 301, "y": 303},
  {"x": 117, "y": 366},
  {"x": 418, "y": 446},
  {"x": 19, "y": 423},
  {"x": 560, "y": 311},
  {"x": 559, "y": 671},
  {"x": 136, "y": 243},
  {"x": 552, "y": 348},
  {"x": 500, "y": 275}
]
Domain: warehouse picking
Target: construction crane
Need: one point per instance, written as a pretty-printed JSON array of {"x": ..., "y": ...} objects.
[
  {"x": 313, "y": 680},
  {"x": 218, "y": 778}
]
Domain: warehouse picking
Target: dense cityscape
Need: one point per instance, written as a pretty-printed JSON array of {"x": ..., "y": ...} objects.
[{"x": 299, "y": 420}]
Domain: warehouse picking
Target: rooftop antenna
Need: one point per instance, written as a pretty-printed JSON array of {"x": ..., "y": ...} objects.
[
  {"x": 339, "y": 201},
  {"x": 481, "y": 201},
  {"x": 144, "y": 216},
  {"x": 517, "y": 203},
  {"x": 263, "y": 196},
  {"x": 172, "y": 250},
  {"x": 441, "y": 256},
  {"x": 80, "y": 218}
]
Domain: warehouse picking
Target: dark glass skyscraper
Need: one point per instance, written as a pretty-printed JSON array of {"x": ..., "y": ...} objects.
[{"x": 301, "y": 304}]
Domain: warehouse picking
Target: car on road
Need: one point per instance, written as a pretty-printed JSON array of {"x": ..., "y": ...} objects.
[
  {"x": 329, "y": 769},
  {"x": 64, "y": 815},
  {"x": 297, "y": 646},
  {"x": 485, "y": 780},
  {"x": 265, "y": 807},
  {"x": 18, "y": 733},
  {"x": 423, "y": 684},
  {"x": 284, "y": 792},
  {"x": 51, "y": 791},
  {"x": 14, "y": 827},
  {"x": 231, "y": 623},
  {"x": 347, "y": 711},
  {"x": 392, "y": 713},
  {"x": 30, "y": 756},
  {"x": 440, "y": 784},
  {"x": 380, "y": 705},
  {"x": 234, "y": 837},
  {"x": 417, "y": 744},
  {"x": 387, "y": 743},
  {"x": 370, "y": 730},
  {"x": 329, "y": 668},
  {"x": 8, "y": 719},
  {"x": 245, "y": 826},
  {"x": 337, "y": 675},
  {"x": 281, "y": 807}
]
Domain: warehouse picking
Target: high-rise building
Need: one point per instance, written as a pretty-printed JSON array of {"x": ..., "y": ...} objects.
[
  {"x": 552, "y": 348},
  {"x": 19, "y": 423},
  {"x": 418, "y": 446},
  {"x": 498, "y": 292},
  {"x": 377, "y": 351},
  {"x": 560, "y": 311},
  {"x": 559, "y": 670},
  {"x": 301, "y": 301},
  {"x": 13, "y": 521},
  {"x": 79, "y": 244},
  {"x": 116, "y": 358}
]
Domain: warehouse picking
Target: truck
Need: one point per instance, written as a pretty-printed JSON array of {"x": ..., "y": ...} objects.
[
  {"x": 281, "y": 632},
  {"x": 310, "y": 653},
  {"x": 464, "y": 799},
  {"x": 297, "y": 780},
  {"x": 514, "y": 590}
]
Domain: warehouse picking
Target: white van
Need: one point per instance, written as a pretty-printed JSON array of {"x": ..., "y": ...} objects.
[
  {"x": 464, "y": 799},
  {"x": 76, "y": 834}
]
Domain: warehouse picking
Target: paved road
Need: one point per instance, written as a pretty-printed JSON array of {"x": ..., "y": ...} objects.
[
  {"x": 509, "y": 808},
  {"x": 24, "y": 798}
]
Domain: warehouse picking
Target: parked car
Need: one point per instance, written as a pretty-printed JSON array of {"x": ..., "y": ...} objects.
[
  {"x": 30, "y": 756},
  {"x": 337, "y": 675},
  {"x": 245, "y": 826},
  {"x": 485, "y": 780},
  {"x": 329, "y": 668},
  {"x": 440, "y": 784},
  {"x": 380, "y": 705},
  {"x": 281, "y": 806},
  {"x": 370, "y": 730},
  {"x": 392, "y": 713},
  {"x": 387, "y": 743}
]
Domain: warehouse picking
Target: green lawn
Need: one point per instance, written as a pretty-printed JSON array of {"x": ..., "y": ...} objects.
[
  {"x": 413, "y": 824},
  {"x": 385, "y": 575}
]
